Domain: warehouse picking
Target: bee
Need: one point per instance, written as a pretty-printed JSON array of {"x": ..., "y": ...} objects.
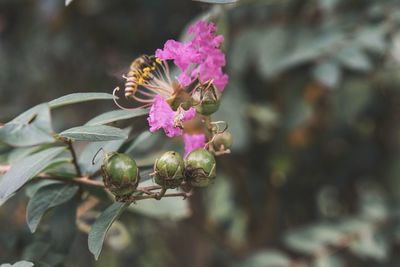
[
  {"x": 148, "y": 77},
  {"x": 141, "y": 72}
]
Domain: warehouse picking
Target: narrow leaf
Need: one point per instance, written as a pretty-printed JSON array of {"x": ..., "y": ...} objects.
[
  {"x": 175, "y": 208},
  {"x": 78, "y": 98},
  {"x": 217, "y": 1},
  {"x": 117, "y": 115},
  {"x": 45, "y": 198},
  {"x": 25, "y": 169},
  {"x": 142, "y": 138},
  {"x": 33, "y": 127},
  {"x": 99, "y": 229},
  {"x": 328, "y": 73},
  {"x": 266, "y": 258},
  {"x": 354, "y": 58},
  {"x": 18, "y": 264},
  {"x": 94, "y": 133},
  {"x": 86, "y": 157},
  {"x": 23, "y": 264}
]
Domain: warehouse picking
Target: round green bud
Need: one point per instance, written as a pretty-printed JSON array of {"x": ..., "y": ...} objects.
[
  {"x": 120, "y": 174},
  {"x": 222, "y": 141},
  {"x": 206, "y": 99},
  {"x": 168, "y": 170},
  {"x": 200, "y": 167}
]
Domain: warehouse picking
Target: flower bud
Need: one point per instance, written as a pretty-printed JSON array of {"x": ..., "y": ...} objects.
[
  {"x": 222, "y": 141},
  {"x": 120, "y": 174},
  {"x": 200, "y": 167},
  {"x": 206, "y": 99},
  {"x": 168, "y": 170}
]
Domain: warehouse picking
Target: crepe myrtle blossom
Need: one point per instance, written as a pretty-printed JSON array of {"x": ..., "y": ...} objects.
[
  {"x": 193, "y": 141},
  {"x": 149, "y": 81},
  {"x": 162, "y": 116},
  {"x": 199, "y": 58}
]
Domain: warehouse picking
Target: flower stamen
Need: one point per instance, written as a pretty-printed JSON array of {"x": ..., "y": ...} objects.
[{"x": 149, "y": 76}]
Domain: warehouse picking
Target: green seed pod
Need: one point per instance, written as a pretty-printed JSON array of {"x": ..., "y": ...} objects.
[
  {"x": 200, "y": 168},
  {"x": 120, "y": 174},
  {"x": 222, "y": 141},
  {"x": 206, "y": 99},
  {"x": 168, "y": 170}
]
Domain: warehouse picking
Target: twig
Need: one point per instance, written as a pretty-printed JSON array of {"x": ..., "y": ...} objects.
[
  {"x": 161, "y": 193},
  {"x": 83, "y": 180},
  {"x": 74, "y": 157},
  {"x": 156, "y": 196}
]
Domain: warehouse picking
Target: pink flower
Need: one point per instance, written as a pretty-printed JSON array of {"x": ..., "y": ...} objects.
[
  {"x": 193, "y": 141},
  {"x": 162, "y": 116},
  {"x": 199, "y": 58}
]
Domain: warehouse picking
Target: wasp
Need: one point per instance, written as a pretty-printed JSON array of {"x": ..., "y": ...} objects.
[
  {"x": 148, "y": 76},
  {"x": 141, "y": 72}
]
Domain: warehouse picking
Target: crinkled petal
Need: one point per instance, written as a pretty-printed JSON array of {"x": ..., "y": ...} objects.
[
  {"x": 199, "y": 58},
  {"x": 161, "y": 116},
  {"x": 193, "y": 141},
  {"x": 189, "y": 114}
]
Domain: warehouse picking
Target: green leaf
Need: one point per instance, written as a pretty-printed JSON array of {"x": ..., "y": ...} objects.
[
  {"x": 329, "y": 261},
  {"x": 94, "y": 133},
  {"x": 25, "y": 169},
  {"x": 369, "y": 244},
  {"x": 21, "y": 152},
  {"x": 238, "y": 121},
  {"x": 63, "y": 217},
  {"x": 272, "y": 50},
  {"x": 313, "y": 238},
  {"x": 328, "y": 5},
  {"x": 55, "y": 163},
  {"x": 217, "y": 1},
  {"x": 266, "y": 258},
  {"x": 45, "y": 198},
  {"x": 140, "y": 140},
  {"x": 117, "y": 115},
  {"x": 328, "y": 73},
  {"x": 354, "y": 58},
  {"x": 101, "y": 226},
  {"x": 18, "y": 264},
  {"x": 86, "y": 157},
  {"x": 33, "y": 127},
  {"x": 78, "y": 98},
  {"x": 373, "y": 39},
  {"x": 308, "y": 46},
  {"x": 175, "y": 208},
  {"x": 219, "y": 200},
  {"x": 32, "y": 188}
]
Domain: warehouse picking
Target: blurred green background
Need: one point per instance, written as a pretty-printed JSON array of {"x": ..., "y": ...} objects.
[{"x": 313, "y": 103}]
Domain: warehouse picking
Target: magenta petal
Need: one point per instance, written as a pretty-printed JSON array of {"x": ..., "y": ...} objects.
[
  {"x": 189, "y": 114},
  {"x": 161, "y": 116},
  {"x": 184, "y": 79},
  {"x": 198, "y": 58},
  {"x": 193, "y": 141}
]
